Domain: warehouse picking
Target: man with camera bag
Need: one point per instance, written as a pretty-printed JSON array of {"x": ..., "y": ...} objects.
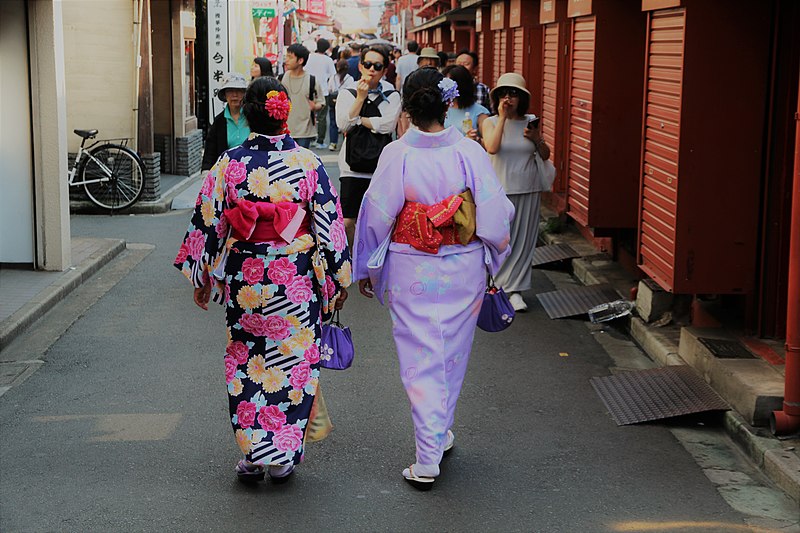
[{"x": 367, "y": 114}]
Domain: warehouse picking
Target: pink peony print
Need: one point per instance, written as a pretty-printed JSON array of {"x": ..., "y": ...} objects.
[
  {"x": 254, "y": 324},
  {"x": 300, "y": 375},
  {"x": 271, "y": 418},
  {"x": 208, "y": 185},
  {"x": 231, "y": 194},
  {"x": 235, "y": 173},
  {"x": 277, "y": 328},
  {"x": 195, "y": 243},
  {"x": 338, "y": 235},
  {"x": 299, "y": 290},
  {"x": 222, "y": 227},
  {"x": 253, "y": 270},
  {"x": 183, "y": 253},
  {"x": 288, "y": 438},
  {"x": 312, "y": 354},
  {"x": 238, "y": 351},
  {"x": 230, "y": 369},
  {"x": 308, "y": 186},
  {"x": 338, "y": 208},
  {"x": 246, "y": 413},
  {"x": 281, "y": 271},
  {"x": 330, "y": 287}
]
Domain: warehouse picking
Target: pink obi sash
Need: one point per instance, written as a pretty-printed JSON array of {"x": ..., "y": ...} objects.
[{"x": 267, "y": 221}]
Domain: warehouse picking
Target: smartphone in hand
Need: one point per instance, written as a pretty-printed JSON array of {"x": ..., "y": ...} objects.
[{"x": 534, "y": 123}]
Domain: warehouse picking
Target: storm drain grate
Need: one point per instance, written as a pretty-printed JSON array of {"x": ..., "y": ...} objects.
[
  {"x": 576, "y": 300},
  {"x": 656, "y": 393},
  {"x": 726, "y": 348},
  {"x": 552, "y": 253}
]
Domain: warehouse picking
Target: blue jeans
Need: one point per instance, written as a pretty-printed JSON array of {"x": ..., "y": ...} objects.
[
  {"x": 305, "y": 142},
  {"x": 333, "y": 130}
]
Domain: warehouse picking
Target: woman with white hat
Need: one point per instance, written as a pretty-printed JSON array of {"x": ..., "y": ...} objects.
[
  {"x": 512, "y": 139},
  {"x": 230, "y": 127}
]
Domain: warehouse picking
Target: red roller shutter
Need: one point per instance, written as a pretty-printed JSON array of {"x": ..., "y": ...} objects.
[
  {"x": 550, "y": 87},
  {"x": 580, "y": 117},
  {"x": 661, "y": 142},
  {"x": 518, "y": 52}
]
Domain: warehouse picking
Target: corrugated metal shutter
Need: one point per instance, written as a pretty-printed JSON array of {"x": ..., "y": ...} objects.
[
  {"x": 518, "y": 52},
  {"x": 661, "y": 134},
  {"x": 580, "y": 116},
  {"x": 550, "y": 87},
  {"x": 481, "y": 41}
]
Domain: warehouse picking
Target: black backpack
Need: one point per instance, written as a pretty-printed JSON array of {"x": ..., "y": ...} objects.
[
  {"x": 312, "y": 92},
  {"x": 364, "y": 147}
]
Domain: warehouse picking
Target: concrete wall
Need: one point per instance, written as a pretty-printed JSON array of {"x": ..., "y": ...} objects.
[
  {"x": 48, "y": 103},
  {"x": 99, "y": 51}
]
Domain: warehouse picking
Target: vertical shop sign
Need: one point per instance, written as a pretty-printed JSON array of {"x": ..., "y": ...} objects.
[
  {"x": 316, "y": 6},
  {"x": 218, "y": 56}
]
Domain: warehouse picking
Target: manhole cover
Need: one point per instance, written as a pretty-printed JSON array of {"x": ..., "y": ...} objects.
[{"x": 726, "y": 348}]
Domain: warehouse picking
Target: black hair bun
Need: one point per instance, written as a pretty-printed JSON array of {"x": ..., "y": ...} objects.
[{"x": 422, "y": 99}]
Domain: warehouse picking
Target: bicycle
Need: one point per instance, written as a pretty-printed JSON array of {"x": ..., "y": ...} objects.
[{"x": 112, "y": 175}]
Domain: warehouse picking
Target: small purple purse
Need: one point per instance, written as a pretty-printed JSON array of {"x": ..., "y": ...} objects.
[
  {"x": 496, "y": 311},
  {"x": 336, "y": 350}
]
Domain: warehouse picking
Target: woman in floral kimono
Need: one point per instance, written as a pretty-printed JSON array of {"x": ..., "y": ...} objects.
[
  {"x": 432, "y": 222},
  {"x": 267, "y": 241}
]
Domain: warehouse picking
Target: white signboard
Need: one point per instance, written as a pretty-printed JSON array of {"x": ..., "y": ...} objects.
[{"x": 218, "y": 56}]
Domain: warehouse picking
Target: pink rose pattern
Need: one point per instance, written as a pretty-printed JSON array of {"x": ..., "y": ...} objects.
[
  {"x": 300, "y": 290},
  {"x": 271, "y": 418},
  {"x": 281, "y": 271},
  {"x": 246, "y": 413},
  {"x": 268, "y": 418},
  {"x": 253, "y": 270},
  {"x": 288, "y": 438}
]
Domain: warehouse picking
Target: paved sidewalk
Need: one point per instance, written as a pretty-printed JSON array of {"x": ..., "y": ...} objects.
[{"x": 778, "y": 458}]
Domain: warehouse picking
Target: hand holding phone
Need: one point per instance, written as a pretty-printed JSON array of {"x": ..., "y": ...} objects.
[{"x": 534, "y": 123}]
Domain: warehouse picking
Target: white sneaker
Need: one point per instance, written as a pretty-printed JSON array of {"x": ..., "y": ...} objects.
[
  {"x": 518, "y": 303},
  {"x": 332, "y": 147}
]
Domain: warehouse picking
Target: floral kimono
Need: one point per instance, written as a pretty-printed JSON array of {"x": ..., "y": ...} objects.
[
  {"x": 267, "y": 232},
  {"x": 434, "y": 272}
]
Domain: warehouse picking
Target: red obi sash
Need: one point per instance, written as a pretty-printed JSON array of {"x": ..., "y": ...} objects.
[
  {"x": 267, "y": 221},
  {"x": 426, "y": 227}
]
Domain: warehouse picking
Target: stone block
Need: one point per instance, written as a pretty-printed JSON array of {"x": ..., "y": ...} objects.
[{"x": 652, "y": 301}]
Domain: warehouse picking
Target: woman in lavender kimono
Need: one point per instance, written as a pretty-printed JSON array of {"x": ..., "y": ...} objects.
[
  {"x": 267, "y": 241},
  {"x": 432, "y": 221}
]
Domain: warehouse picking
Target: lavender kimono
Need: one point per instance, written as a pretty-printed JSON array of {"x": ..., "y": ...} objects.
[
  {"x": 434, "y": 300},
  {"x": 274, "y": 292}
]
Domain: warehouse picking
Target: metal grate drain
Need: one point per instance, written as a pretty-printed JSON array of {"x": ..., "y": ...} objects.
[
  {"x": 576, "y": 300},
  {"x": 657, "y": 393},
  {"x": 726, "y": 348},
  {"x": 552, "y": 253}
]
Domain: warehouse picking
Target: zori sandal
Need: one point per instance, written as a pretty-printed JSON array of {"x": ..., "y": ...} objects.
[
  {"x": 451, "y": 441},
  {"x": 280, "y": 474},
  {"x": 418, "y": 482},
  {"x": 248, "y": 472}
]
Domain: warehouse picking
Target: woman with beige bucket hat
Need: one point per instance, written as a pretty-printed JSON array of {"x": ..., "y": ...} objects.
[{"x": 512, "y": 139}]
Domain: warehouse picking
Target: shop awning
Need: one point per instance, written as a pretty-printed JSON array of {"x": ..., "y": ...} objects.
[{"x": 314, "y": 18}]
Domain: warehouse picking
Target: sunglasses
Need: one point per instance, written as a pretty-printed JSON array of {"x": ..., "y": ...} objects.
[
  {"x": 369, "y": 64},
  {"x": 511, "y": 93}
]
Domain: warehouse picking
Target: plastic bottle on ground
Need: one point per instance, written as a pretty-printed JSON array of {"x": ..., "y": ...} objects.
[{"x": 610, "y": 311}]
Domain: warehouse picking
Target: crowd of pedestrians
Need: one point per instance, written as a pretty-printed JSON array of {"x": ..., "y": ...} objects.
[{"x": 439, "y": 186}]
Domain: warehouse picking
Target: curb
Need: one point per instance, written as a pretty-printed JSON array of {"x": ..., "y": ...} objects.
[
  {"x": 777, "y": 459},
  {"x": 162, "y": 205},
  {"x": 23, "y": 318}
]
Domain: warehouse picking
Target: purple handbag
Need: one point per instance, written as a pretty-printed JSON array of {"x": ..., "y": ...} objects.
[
  {"x": 496, "y": 311},
  {"x": 336, "y": 350}
]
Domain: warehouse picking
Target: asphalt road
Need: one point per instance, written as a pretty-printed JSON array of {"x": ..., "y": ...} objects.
[{"x": 125, "y": 428}]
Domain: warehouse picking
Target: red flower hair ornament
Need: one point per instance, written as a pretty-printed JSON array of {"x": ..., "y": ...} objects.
[{"x": 278, "y": 105}]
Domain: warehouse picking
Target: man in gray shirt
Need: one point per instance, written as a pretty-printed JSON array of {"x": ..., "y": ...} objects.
[{"x": 407, "y": 64}]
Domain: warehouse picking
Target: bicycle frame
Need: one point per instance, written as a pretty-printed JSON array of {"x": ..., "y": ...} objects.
[{"x": 85, "y": 152}]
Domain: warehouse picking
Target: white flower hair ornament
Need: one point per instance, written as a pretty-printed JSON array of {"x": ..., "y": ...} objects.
[{"x": 449, "y": 90}]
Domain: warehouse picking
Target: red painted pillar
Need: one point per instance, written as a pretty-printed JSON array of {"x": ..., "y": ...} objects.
[{"x": 787, "y": 421}]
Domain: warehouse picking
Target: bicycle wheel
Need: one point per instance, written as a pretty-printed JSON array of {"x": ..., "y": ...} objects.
[{"x": 116, "y": 174}]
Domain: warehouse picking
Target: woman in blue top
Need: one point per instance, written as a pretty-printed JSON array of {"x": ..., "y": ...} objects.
[
  {"x": 230, "y": 128},
  {"x": 465, "y": 103}
]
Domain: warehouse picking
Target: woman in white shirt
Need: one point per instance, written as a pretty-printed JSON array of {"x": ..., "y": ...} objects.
[
  {"x": 512, "y": 139},
  {"x": 374, "y": 104},
  {"x": 336, "y": 82}
]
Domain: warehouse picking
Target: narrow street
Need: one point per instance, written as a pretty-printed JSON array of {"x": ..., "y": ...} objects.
[{"x": 125, "y": 427}]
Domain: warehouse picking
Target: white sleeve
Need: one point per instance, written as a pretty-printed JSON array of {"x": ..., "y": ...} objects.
[{"x": 343, "y": 105}]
